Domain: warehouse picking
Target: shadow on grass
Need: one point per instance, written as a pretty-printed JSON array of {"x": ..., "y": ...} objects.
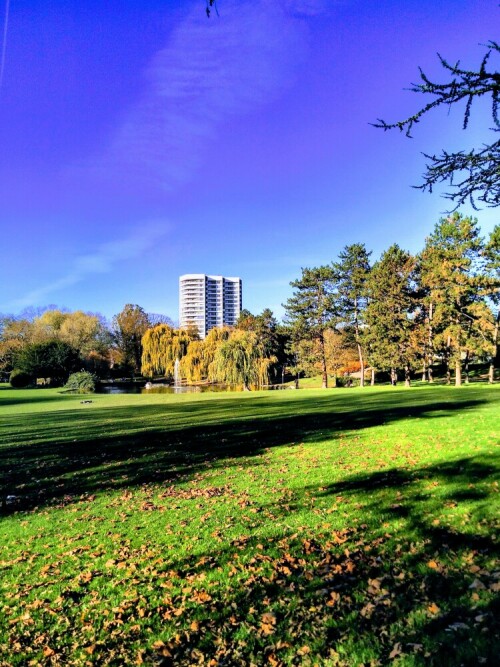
[
  {"x": 41, "y": 397},
  {"x": 364, "y": 595},
  {"x": 77, "y": 451},
  {"x": 406, "y": 582}
]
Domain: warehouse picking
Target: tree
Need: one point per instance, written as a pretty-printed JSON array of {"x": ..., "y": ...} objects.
[
  {"x": 312, "y": 309},
  {"x": 450, "y": 274},
  {"x": 162, "y": 346},
  {"x": 341, "y": 353},
  {"x": 389, "y": 313},
  {"x": 47, "y": 326},
  {"x": 192, "y": 365},
  {"x": 129, "y": 327},
  {"x": 210, "y": 4},
  {"x": 15, "y": 334},
  {"x": 159, "y": 318},
  {"x": 492, "y": 256},
  {"x": 54, "y": 360},
  {"x": 268, "y": 334},
  {"x": 241, "y": 360},
  {"x": 83, "y": 331},
  {"x": 472, "y": 175},
  {"x": 351, "y": 274}
]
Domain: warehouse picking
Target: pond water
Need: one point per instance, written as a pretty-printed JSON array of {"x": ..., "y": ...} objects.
[{"x": 164, "y": 389}]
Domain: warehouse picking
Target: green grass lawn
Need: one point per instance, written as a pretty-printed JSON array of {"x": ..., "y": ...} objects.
[{"x": 336, "y": 527}]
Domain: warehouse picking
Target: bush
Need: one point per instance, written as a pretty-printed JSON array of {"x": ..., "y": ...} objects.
[
  {"x": 347, "y": 381},
  {"x": 82, "y": 382},
  {"x": 19, "y": 379}
]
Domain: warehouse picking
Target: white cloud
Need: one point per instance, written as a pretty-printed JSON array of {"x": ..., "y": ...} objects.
[
  {"x": 103, "y": 260},
  {"x": 209, "y": 71}
]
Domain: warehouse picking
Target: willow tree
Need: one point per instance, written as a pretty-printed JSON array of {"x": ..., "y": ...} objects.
[
  {"x": 214, "y": 338},
  {"x": 192, "y": 365},
  {"x": 161, "y": 347},
  {"x": 241, "y": 360}
]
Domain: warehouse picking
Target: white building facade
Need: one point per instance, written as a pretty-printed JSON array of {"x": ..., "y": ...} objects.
[{"x": 208, "y": 301}]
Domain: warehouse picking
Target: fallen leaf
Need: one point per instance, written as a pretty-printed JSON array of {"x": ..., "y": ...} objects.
[{"x": 433, "y": 608}]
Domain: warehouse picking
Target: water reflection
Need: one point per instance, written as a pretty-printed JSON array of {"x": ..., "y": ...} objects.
[{"x": 165, "y": 389}]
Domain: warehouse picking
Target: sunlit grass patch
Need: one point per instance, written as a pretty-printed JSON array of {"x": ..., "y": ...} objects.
[{"x": 335, "y": 528}]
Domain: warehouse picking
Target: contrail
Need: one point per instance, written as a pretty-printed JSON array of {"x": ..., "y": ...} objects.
[{"x": 4, "y": 41}]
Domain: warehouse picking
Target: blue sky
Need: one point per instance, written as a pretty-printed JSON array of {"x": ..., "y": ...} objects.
[{"x": 140, "y": 141}]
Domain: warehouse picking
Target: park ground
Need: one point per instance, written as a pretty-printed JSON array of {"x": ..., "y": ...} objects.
[{"x": 335, "y": 527}]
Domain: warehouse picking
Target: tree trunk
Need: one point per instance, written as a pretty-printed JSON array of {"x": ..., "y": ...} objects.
[
  {"x": 424, "y": 371},
  {"x": 466, "y": 367},
  {"x": 372, "y": 382},
  {"x": 394, "y": 377},
  {"x": 458, "y": 373},
  {"x": 362, "y": 367},
  {"x": 360, "y": 351},
  {"x": 491, "y": 374},
  {"x": 447, "y": 360},
  {"x": 430, "y": 377},
  {"x": 324, "y": 374},
  {"x": 407, "y": 376},
  {"x": 430, "y": 345}
]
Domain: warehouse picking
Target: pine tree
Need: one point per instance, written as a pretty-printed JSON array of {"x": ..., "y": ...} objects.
[
  {"x": 389, "y": 316},
  {"x": 450, "y": 267},
  {"x": 492, "y": 256},
  {"x": 351, "y": 273},
  {"x": 312, "y": 309}
]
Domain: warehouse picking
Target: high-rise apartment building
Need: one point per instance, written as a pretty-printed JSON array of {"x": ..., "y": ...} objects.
[{"x": 208, "y": 301}]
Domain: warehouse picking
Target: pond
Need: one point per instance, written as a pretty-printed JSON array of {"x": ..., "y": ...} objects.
[{"x": 165, "y": 389}]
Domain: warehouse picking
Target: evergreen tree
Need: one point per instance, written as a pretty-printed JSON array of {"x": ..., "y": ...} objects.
[
  {"x": 312, "y": 309},
  {"x": 471, "y": 174},
  {"x": 492, "y": 256},
  {"x": 390, "y": 313},
  {"x": 450, "y": 268},
  {"x": 351, "y": 273}
]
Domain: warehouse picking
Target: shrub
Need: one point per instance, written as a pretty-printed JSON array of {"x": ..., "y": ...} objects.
[
  {"x": 347, "y": 381},
  {"x": 82, "y": 382},
  {"x": 19, "y": 379}
]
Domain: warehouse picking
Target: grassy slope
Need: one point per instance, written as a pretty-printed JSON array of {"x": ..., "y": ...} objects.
[{"x": 340, "y": 527}]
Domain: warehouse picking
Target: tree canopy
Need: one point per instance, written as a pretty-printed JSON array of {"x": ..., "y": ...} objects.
[{"x": 312, "y": 309}]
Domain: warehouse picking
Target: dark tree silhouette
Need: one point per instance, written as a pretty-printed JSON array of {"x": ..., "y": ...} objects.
[
  {"x": 211, "y": 5},
  {"x": 473, "y": 175}
]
